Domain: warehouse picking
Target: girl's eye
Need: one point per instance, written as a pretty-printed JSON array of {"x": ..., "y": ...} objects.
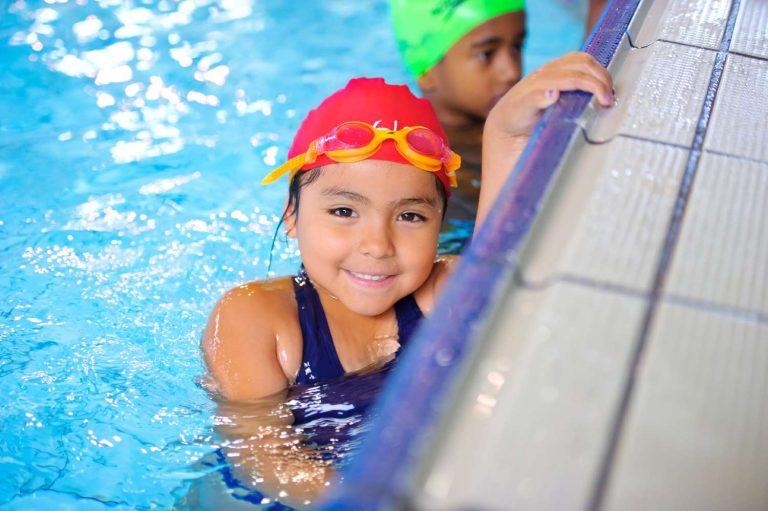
[
  {"x": 342, "y": 212},
  {"x": 410, "y": 216}
]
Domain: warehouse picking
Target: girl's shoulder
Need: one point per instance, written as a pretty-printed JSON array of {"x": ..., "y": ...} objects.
[
  {"x": 427, "y": 294},
  {"x": 259, "y": 303},
  {"x": 240, "y": 342},
  {"x": 271, "y": 294}
]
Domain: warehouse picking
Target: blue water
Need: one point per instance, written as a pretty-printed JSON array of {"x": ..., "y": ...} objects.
[{"x": 133, "y": 135}]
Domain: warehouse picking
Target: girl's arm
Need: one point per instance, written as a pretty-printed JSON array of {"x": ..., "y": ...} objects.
[
  {"x": 510, "y": 123},
  {"x": 240, "y": 344},
  {"x": 267, "y": 453}
]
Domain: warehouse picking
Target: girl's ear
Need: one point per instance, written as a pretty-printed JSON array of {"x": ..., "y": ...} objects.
[{"x": 289, "y": 220}]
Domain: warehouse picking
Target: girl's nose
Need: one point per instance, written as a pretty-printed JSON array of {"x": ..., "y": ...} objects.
[{"x": 376, "y": 240}]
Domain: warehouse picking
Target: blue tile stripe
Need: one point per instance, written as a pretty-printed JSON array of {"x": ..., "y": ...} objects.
[{"x": 415, "y": 393}]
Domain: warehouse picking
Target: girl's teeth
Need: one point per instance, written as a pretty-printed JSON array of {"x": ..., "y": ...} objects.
[{"x": 365, "y": 276}]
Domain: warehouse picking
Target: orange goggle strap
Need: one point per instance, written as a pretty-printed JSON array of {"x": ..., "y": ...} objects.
[{"x": 293, "y": 165}]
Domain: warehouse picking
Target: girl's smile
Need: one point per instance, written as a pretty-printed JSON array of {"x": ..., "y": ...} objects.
[{"x": 373, "y": 281}]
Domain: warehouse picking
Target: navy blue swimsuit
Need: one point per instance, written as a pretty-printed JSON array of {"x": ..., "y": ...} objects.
[{"x": 319, "y": 359}]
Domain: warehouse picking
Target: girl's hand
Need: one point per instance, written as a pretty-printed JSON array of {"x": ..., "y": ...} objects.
[
  {"x": 518, "y": 111},
  {"x": 511, "y": 121}
]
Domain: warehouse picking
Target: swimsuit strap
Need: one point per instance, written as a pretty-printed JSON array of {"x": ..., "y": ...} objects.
[
  {"x": 319, "y": 360},
  {"x": 408, "y": 317}
]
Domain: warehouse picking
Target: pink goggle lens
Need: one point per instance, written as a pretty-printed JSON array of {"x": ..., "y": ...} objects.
[{"x": 425, "y": 142}]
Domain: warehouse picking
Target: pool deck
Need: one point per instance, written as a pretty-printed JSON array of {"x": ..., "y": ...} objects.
[{"x": 604, "y": 343}]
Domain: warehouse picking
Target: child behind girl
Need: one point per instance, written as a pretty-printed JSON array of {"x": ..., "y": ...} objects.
[
  {"x": 465, "y": 56},
  {"x": 370, "y": 174}
]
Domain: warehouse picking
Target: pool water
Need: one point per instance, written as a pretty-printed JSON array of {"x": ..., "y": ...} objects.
[{"x": 133, "y": 135}]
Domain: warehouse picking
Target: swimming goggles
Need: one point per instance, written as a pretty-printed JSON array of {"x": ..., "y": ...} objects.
[{"x": 356, "y": 141}]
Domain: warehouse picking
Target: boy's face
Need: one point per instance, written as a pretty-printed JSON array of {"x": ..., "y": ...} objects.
[
  {"x": 368, "y": 232},
  {"x": 479, "y": 68}
]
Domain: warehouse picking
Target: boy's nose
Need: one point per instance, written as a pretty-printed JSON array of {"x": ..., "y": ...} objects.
[
  {"x": 508, "y": 68},
  {"x": 376, "y": 240}
]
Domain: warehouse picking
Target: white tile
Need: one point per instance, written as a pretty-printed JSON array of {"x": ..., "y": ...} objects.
[
  {"x": 607, "y": 216},
  {"x": 696, "y": 435},
  {"x": 690, "y": 22},
  {"x": 751, "y": 32},
  {"x": 660, "y": 92},
  {"x": 739, "y": 123},
  {"x": 722, "y": 252},
  {"x": 528, "y": 428}
]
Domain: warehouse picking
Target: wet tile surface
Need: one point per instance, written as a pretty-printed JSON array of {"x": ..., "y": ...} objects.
[
  {"x": 532, "y": 427},
  {"x": 608, "y": 216},
  {"x": 660, "y": 92},
  {"x": 546, "y": 383},
  {"x": 696, "y": 435},
  {"x": 722, "y": 255},
  {"x": 739, "y": 121},
  {"x": 751, "y": 34},
  {"x": 690, "y": 22}
]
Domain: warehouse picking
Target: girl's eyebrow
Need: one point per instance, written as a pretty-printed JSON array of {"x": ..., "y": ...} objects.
[
  {"x": 336, "y": 191},
  {"x": 414, "y": 201}
]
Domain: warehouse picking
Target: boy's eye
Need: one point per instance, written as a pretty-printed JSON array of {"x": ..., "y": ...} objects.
[
  {"x": 485, "y": 55},
  {"x": 410, "y": 216},
  {"x": 342, "y": 212}
]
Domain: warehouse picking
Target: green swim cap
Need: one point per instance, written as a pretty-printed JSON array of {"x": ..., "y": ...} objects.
[{"x": 426, "y": 29}]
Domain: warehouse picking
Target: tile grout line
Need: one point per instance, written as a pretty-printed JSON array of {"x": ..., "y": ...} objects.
[
  {"x": 609, "y": 457},
  {"x": 733, "y": 312}
]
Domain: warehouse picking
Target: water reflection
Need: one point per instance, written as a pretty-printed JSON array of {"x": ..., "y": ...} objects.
[
  {"x": 142, "y": 70},
  {"x": 285, "y": 451}
]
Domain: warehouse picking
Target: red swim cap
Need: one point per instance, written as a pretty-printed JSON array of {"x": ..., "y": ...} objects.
[{"x": 375, "y": 102}]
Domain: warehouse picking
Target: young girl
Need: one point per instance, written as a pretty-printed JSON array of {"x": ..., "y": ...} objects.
[{"x": 370, "y": 173}]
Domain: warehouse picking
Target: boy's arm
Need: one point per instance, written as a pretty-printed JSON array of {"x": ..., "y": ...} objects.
[
  {"x": 510, "y": 123},
  {"x": 240, "y": 348},
  {"x": 596, "y": 8}
]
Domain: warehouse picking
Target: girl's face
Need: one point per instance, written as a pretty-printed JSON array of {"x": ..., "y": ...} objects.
[{"x": 368, "y": 232}]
